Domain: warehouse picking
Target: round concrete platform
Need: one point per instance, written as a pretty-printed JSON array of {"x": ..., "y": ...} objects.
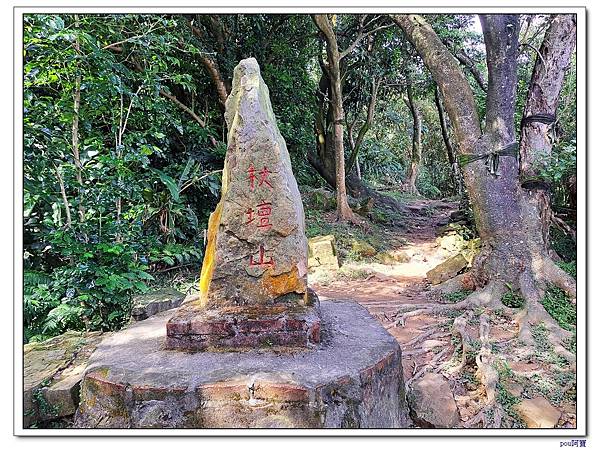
[{"x": 353, "y": 378}]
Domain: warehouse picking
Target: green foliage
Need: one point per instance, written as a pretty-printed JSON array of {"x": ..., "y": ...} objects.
[
  {"x": 144, "y": 181},
  {"x": 455, "y": 297},
  {"x": 560, "y": 307},
  {"x": 563, "y": 245},
  {"x": 512, "y": 298}
]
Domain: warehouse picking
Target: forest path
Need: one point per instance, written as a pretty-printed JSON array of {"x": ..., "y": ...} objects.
[
  {"x": 386, "y": 287},
  {"x": 426, "y": 339}
]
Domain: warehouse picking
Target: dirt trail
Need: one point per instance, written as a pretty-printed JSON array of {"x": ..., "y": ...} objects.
[
  {"x": 389, "y": 286},
  {"x": 384, "y": 288}
]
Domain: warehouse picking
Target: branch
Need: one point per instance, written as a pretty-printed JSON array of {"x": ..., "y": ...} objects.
[
  {"x": 365, "y": 127},
  {"x": 469, "y": 64},
  {"x": 183, "y": 107},
  {"x": 360, "y": 37},
  {"x": 117, "y": 44}
]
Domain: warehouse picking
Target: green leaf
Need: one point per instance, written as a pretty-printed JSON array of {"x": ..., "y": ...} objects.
[{"x": 170, "y": 183}]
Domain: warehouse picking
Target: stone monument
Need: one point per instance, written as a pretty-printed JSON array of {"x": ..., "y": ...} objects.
[
  {"x": 256, "y": 349},
  {"x": 253, "y": 288}
]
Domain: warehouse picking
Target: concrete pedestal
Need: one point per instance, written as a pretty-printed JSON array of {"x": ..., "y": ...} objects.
[{"x": 352, "y": 378}]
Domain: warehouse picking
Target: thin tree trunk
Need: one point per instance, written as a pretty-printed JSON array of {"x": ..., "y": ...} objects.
[
  {"x": 63, "y": 194},
  {"x": 451, "y": 152},
  {"x": 75, "y": 127},
  {"x": 211, "y": 65},
  {"x": 356, "y": 144},
  {"x": 410, "y": 184},
  {"x": 539, "y": 113},
  {"x": 215, "y": 75},
  {"x": 333, "y": 57}
]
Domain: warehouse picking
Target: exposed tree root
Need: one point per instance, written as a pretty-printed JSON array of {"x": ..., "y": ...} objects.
[
  {"x": 489, "y": 296},
  {"x": 531, "y": 285},
  {"x": 490, "y": 414},
  {"x": 434, "y": 365},
  {"x": 534, "y": 313},
  {"x": 460, "y": 327}
]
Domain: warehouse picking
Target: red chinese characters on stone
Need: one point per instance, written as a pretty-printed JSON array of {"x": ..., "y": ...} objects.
[
  {"x": 263, "y": 211},
  {"x": 261, "y": 217},
  {"x": 262, "y": 178},
  {"x": 262, "y": 261}
]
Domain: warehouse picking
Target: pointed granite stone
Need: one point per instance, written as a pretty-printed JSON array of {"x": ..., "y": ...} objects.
[{"x": 253, "y": 284}]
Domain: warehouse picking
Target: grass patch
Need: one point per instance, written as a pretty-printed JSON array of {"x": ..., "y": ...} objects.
[
  {"x": 544, "y": 350},
  {"x": 553, "y": 387},
  {"x": 512, "y": 298},
  {"x": 569, "y": 267},
  {"x": 559, "y": 306},
  {"x": 455, "y": 297},
  {"x": 563, "y": 244},
  {"x": 505, "y": 398}
]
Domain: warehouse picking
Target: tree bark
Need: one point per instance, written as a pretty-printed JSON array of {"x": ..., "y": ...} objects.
[
  {"x": 333, "y": 68},
  {"x": 213, "y": 70},
  {"x": 410, "y": 184},
  {"x": 513, "y": 251},
  {"x": 546, "y": 82}
]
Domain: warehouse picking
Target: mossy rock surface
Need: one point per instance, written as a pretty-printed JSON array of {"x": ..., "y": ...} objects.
[
  {"x": 363, "y": 248},
  {"x": 52, "y": 372}
]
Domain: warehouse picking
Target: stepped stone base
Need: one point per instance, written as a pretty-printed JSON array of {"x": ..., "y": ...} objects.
[
  {"x": 352, "y": 378},
  {"x": 233, "y": 328}
]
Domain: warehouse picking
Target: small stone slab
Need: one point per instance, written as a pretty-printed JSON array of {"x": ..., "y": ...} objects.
[
  {"x": 322, "y": 252},
  {"x": 147, "y": 305},
  {"x": 352, "y": 378},
  {"x": 53, "y": 370},
  {"x": 447, "y": 270},
  {"x": 538, "y": 413}
]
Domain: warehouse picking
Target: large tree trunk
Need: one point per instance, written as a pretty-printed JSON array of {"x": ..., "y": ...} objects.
[
  {"x": 410, "y": 184},
  {"x": 539, "y": 114},
  {"x": 513, "y": 251},
  {"x": 344, "y": 212}
]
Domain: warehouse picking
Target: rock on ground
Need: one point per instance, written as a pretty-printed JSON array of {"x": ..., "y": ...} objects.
[
  {"x": 52, "y": 372},
  {"x": 447, "y": 270},
  {"x": 322, "y": 252},
  {"x": 538, "y": 413},
  {"x": 432, "y": 404},
  {"x": 147, "y": 305},
  {"x": 363, "y": 248}
]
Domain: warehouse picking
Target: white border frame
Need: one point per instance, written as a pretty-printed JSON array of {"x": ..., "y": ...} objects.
[{"x": 582, "y": 402}]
